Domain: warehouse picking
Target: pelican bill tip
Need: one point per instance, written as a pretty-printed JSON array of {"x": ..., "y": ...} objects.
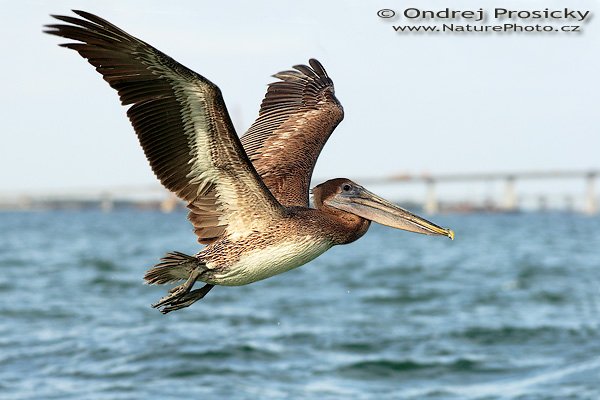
[{"x": 451, "y": 234}]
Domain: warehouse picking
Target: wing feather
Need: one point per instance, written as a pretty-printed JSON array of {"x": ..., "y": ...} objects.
[
  {"x": 296, "y": 117},
  {"x": 183, "y": 126}
]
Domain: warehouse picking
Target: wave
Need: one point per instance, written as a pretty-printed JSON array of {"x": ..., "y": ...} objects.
[
  {"x": 519, "y": 334},
  {"x": 383, "y": 367}
]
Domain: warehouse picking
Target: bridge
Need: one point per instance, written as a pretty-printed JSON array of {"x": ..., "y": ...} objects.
[
  {"x": 106, "y": 199},
  {"x": 510, "y": 199},
  {"x": 155, "y": 196}
]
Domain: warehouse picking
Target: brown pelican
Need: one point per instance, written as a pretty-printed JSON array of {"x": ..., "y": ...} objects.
[{"x": 248, "y": 198}]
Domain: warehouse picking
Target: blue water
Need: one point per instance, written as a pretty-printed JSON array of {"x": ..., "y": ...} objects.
[{"x": 509, "y": 310}]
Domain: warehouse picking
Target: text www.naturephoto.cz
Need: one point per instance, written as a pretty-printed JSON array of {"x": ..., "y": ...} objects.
[{"x": 472, "y": 28}]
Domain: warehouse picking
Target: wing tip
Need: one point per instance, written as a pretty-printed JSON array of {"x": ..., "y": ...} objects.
[
  {"x": 318, "y": 67},
  {"x": 314, "y": 71}
]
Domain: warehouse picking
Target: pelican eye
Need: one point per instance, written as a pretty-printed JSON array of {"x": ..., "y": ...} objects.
[{"x": 346, "y": 188}]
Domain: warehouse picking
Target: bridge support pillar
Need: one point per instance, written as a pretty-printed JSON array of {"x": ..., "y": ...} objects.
[
  {"x": 431, "y": 202},
  {"x": 542, "y": 203},
  {"x": 106, "y": 203},
  {"x": 591, "y": 203},
  {"x": 569, "y": 203},
  {"x": 169, "y": 204},
  {"x": 510, "y": 195}
]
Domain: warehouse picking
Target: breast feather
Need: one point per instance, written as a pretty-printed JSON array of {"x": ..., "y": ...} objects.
[{"x": 259, "y": 264}]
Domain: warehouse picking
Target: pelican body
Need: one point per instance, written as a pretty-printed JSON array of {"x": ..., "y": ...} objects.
[{"x": 248, "y": 196}]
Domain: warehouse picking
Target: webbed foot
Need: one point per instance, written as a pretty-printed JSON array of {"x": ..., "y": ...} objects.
[
  {"x": 186, "y": 300},
  {"x": 179, "y": 291}
]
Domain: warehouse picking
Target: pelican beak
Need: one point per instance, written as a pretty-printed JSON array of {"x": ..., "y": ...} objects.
[{"x": 372, "y": 207}]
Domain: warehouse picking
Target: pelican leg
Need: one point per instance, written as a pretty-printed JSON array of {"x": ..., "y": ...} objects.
[
  {"x": 179, "y": 291},
  {"x": 187, "y": 300}
]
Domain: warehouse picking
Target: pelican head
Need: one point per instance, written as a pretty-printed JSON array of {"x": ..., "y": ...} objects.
[{"x": 345, "y": 195}]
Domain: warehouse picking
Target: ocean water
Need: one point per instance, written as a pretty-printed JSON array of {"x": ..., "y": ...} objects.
[{"x": 509, "y": 310}]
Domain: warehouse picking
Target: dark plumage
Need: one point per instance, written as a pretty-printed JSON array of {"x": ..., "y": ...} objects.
[{"x": 298, "y": 113}]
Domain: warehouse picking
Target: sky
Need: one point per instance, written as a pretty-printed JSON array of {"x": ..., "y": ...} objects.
[{"x": 414, "y": 103}]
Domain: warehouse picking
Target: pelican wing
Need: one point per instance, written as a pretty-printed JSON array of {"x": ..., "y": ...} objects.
[
  {"x": 183, "y": 126},
  {"x": 297, "y": 116}
]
